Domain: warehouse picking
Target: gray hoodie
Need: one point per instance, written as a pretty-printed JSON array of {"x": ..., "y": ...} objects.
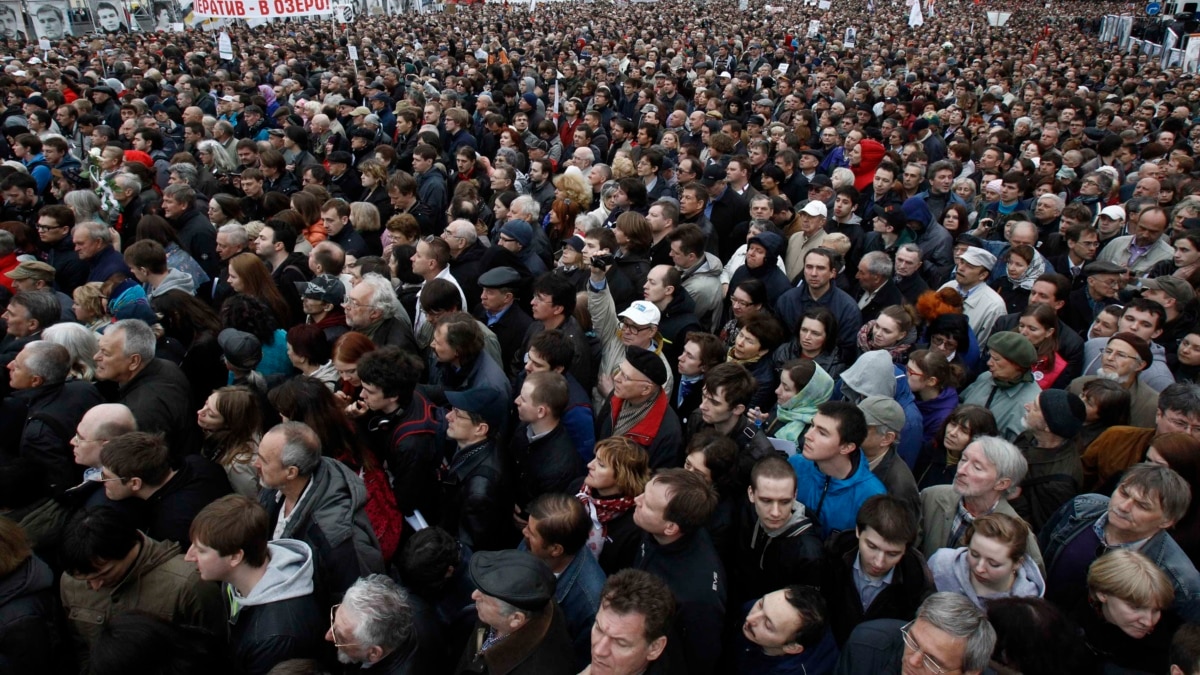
[
  {"x": 872, "y": 375},
  {"x": 951, "y": 572},
  {"x": 289, "y": 575},
  {"x": 176, "y": 280},
  {"x": 1158, "y": 376}
]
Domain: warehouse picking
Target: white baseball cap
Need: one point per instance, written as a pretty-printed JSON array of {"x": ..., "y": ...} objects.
[{"x": 643, "y": 313}]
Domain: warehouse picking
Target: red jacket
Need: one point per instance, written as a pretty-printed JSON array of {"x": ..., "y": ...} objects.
[{"x": 7, "y": 264}]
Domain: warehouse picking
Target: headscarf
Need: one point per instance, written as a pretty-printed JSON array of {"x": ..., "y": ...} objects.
[
  {"x": 799, "y": 411},
  {"x": 1037, "y": 267}
]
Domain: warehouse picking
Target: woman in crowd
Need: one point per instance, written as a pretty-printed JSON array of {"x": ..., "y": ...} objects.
[
  {"x": 307, "y": 400},
  {"x": 308, "y": 206},
  {"x": 761, "y": 335},
  {"x": 951, "y": 335},
  {"x": 954, "y": 219},
  {"x": 618, "y": 473},
  {"x": 346, "y": 352},
  {"x": 250, "y": 315},
  {"x": 230, "y": 421},
  {"x": 993, "y": 563},
  {"x": 248, "y": 275},
  {"x": 28, "y": 601},
  {"x": 1188, "y": 369},
  {"x": 894, "y": 331},
  {"x": 1021, "y": 272},
  {"x": 816, "y": 339},
  {"x": 714, "y": 457},
  {"x": 374, "y": 175},
  {"x": 803, "y": 386},
  {"x": 91, "y": 307},
  {"x": 195, "y": 326},
  {"x": 310, "y": 353},
  {"x": 224, "y": 209},
  {"x": 364, "y": 217},
  {"x": 214, "y": 157},
  {"x": 1039, "y": 324},
  {"x": 81, "y": 342},
  {"x": 1126, "y": 619},
  {"x": 1107, "y": 405},
  {"x": 1035, "y": 637},
  {"x": 938, "y": 463},
  {"x": 747, "y": 300},
  {"x": 932, "y": 381}
]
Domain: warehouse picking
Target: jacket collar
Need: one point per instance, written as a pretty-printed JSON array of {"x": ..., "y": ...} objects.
[
  {"x": 644, "y": 432},
  {"x": 507, "y": 654}
]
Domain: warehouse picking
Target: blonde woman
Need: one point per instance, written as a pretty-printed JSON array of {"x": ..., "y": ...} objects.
[
  {"x": 364, "y": 216},
  {"x": 1126, "y": 620},
  {"x": 91, "y": 307}
]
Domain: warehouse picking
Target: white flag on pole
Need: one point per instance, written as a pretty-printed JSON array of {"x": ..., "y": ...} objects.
[{"x": 914, "y": 17}]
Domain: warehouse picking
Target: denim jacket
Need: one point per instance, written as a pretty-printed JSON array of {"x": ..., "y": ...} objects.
[
  {"x": 578, "y": 596},
  {"x": 1082, "y": 512}
]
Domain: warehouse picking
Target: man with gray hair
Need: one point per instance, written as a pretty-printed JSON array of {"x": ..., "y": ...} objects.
[
  {"x": 1146, "y": 504},
  {"x": 950, "y": 634},
  {"x": 155, "y": 390},
  {"x": 232, "y": 239},
  {"x": 196, "y": 233},
  {"x": 466, "y": 259},
  {"x": 878, "y": 289},
  {"x": 373, "y": 309},
  {"x": 94, "y": 245},
  {"x": 989, "y": 473},
  {"x": 331, "y": 517},
  {"x": 377, "y": 626},
  {"x": 39, "y": 417},
  {"x": 907, "y": 276}
]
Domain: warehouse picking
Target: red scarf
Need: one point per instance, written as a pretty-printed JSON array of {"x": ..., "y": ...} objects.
[{"x": 607, "y": 508}]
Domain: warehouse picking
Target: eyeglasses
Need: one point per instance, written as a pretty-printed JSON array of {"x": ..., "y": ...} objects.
[
  {"x": 1109, "y": 351},
  {"x": 634, "y": 328},
  {"x": 47, "y": 228},
  {"x": 943, "y": 342},
  {"x": 354, "y": 304},
  {"x": 620, "y": 376},
  {"x": 930, "y": 665},
  {"x": 333, "y": 631},
  {"x": 915, "y": 373},
  {"x": 1180, "y": 422}
]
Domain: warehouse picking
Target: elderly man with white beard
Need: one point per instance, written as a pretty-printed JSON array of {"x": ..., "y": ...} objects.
[{"x": 1124, "y": 357}]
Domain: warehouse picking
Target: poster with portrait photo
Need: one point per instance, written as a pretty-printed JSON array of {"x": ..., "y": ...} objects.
[
  {"x": 110, "y": 16},
  {"x": 51, "y": 19},
  {"x": 12, "y": 22}
]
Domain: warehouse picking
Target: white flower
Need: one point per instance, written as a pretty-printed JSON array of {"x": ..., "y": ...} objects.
[{"x": 95, "y": 152}]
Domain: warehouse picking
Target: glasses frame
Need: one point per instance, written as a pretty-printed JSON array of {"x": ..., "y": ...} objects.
[
  {"x": 333, "y": 631},
  {"x": 927, "y": 661}
]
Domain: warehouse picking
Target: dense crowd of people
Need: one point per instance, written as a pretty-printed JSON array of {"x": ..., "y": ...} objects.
[{"x": 607, "y": 339}]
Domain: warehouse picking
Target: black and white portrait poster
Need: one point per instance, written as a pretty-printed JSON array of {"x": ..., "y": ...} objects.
[
  {"x": 110, "y": 16},
  {"x": 50, "y": 19},
  {"x": 12, "y": 22}
]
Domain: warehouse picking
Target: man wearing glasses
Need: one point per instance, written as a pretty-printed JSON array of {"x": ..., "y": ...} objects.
[
  {"x": 267, "y": 585},
  {"x": 377, "y": 607},
  {"x": 54, "y": 225},
  {"x": 1102, "y": 281},
  {"x": 949, "y": 635},
  {"x": 1123, "y": 358},
  {"x": 1143, "y": 249},
  {"x": 1145, "y": 317}
]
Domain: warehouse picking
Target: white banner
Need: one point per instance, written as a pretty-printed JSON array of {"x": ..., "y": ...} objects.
[
  {"x": 914, "y": 16},
  {"x": 1191, "y": 55},
  {"x": 260, "y": 9},
  {"x": 12, "y": 22},
  {"x": 50, "y": 19}
]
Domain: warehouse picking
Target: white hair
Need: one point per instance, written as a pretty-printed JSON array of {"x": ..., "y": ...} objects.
[{"x": 82, "y": 344}]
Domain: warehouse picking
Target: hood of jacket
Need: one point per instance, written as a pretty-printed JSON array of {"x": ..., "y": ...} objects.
[
  {"x": 773, "y": 243},
  {"x": 176, "y": 280},
  {"x": 915, "y": 209},
  {"x": 681, "y": 303},
  {"x": 289, "y": 574},
  {"x": 335, "y": 497},
  {"x": 710, "y": 266},
  {"x": 798, "y": 523},
  {"x": 872, "y": 375},
  {"x": 31, "y": 576},
  {"x": 872, "y": 156},
  {"x": 951, "y": 567}
]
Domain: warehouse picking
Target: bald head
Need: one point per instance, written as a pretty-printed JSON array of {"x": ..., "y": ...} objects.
[
  {"x": 1147, "y": 187},
  {"x": 1024, "y": 232},
  {"x": 99, "y": 425}
]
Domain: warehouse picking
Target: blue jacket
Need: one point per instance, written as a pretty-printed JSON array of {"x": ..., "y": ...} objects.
[
  {"x": 107, "y": 263},
  {"x": 913, "y": 433},
  {"x": 833, "y": 502},
  {"x": 1080, "y": 513},
  {"x": 578, "y": 594},
  {"x": 40, "y": 171}
]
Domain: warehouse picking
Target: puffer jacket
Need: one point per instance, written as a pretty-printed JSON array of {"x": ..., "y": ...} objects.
[
  {"x": 332, "y": 519},
  {"x": 951, "y": 568}
]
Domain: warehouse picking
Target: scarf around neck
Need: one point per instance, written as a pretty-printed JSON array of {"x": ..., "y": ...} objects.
[{"x": 799, "y": 411}]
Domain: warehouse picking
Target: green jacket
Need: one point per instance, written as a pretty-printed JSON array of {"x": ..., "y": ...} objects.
[{"x": 160, "y": 582}]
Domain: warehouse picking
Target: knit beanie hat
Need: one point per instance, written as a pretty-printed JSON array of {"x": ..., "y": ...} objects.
[{"x": 1064, "y": 412}]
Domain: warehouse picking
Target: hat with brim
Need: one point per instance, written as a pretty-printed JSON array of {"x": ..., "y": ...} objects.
[{"x": 978, "y": 257}]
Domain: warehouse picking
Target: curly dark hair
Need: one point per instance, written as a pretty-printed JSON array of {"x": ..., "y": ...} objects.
[{"x": 250, "y": 315}]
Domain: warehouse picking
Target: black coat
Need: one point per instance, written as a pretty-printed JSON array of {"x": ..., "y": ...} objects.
[
  {"x": 69, "y": 271},
  {"x": 666, "y": 450},
  {"x": 889, "y": 294},
  {"x": 466, "y": 269},
  {"x": 911, "y": 584},
  {"x": 196, "y": 484},
  {"x": 198, "y": 237},
  {"x": 726, "y": 213},
  {"x": 763, "y": 563},
  {"x": 1078, "y": 312},
  {"x": 42, "y": 421},
  {"x": 548, "y": 464},
  {"x": 29, "y": 636},
  {"x": 752, "y": 444},
  {"x": 408, "y": 441},
  {"x": 677, "y": 321},
  {"x": 476, "y": 504},
  {"x": 160, "y": 398},
  {"x": 510, "y": 331},
  {"x": 912, "y": 287},
  {"x": 694, "y": 573},
  {"x": 540, "y": 647},
  {"x": 261, "y": 636}
]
